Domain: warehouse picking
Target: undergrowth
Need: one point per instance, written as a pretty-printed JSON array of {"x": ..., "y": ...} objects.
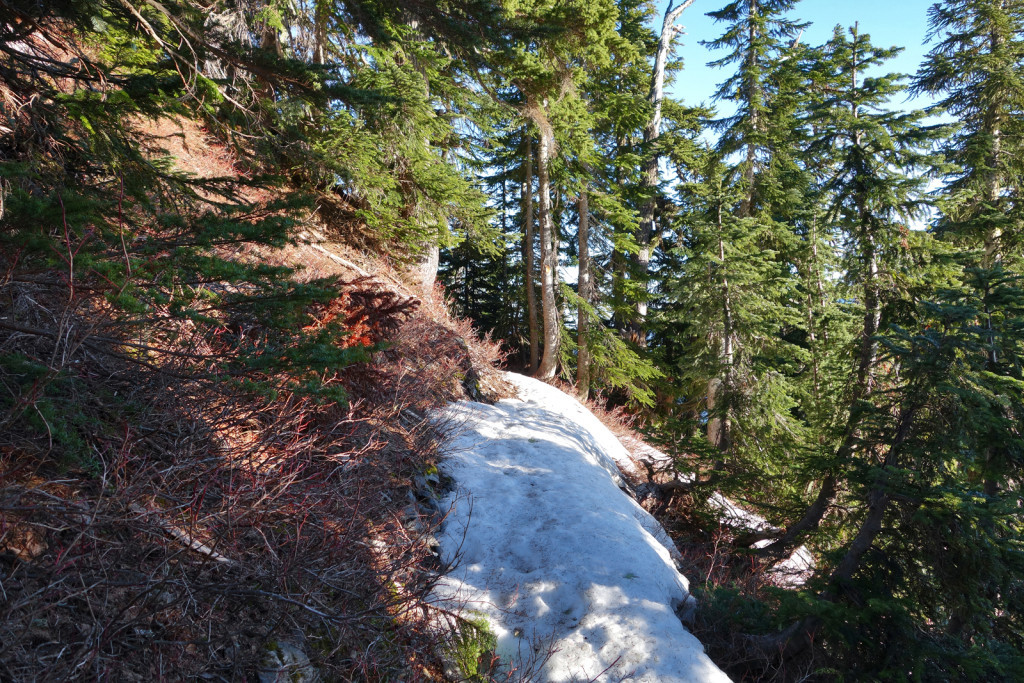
[{"x": 166, "y": 512}]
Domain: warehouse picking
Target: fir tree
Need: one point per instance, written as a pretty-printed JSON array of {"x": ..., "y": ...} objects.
[{"x": 872, "y": 192}]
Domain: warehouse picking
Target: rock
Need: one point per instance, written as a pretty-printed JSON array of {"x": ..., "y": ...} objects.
[{"x": 285, "y": 662}]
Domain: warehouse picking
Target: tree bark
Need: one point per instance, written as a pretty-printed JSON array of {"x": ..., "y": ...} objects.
[
  {"x": 993, "y": 123},
  {"x": 585, "y": 287},
  {"x": 320, "y": 17},
  {"x": 993, "y": 236},
  {"x": 528, "y": 254},
  {"x": 548, "y": 262},
  {"x": 425, "y": 269}
]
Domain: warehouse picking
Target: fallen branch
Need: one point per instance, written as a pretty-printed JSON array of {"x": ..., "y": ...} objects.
[
  {"x": 181, "y": 536},
  {"x": 379, "y": 279}
]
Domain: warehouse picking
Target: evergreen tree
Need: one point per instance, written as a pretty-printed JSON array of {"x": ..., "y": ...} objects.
[
  {"x": 759, "y": 145},
  {"x": 976, "y": 69},
  {"x": 548, "y": 77},
  {"x": 727, "y": 294},
  {"x": 758, "y": 35},
  {"x": 872, "y": 185}
]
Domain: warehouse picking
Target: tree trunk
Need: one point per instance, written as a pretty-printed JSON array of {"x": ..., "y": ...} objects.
[
  {"x": 320, "y": 17},
  {"x": 429, "y": 258},
  {"x": 719, "y": 426},
  {"x": 800, "y": 635},
  {"x": 426, "y": 268},
  {"x": 528, "y": 254},
  {"x": 652, "y": 131},
  {"x": 995, "y": 163},
  {"x": 754, "y": 104},
  {"x": 878, "y": 501},
  {"x": 992, "y": 252},
  {"x": 815, "y": 313},
  {"x": 548, "y": 262},
  {"x": 585, "y": 286}
]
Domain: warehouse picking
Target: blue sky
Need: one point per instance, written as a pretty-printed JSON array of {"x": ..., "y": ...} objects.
[{"x": 889, "y": 22}]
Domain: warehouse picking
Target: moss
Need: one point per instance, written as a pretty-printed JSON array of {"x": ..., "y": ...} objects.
[{"x": 473, "y": 648}]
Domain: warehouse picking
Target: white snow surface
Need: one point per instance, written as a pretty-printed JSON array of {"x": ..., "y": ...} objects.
[
  {"x": 555, "y": 555},
  {"x": 792, "y": 572}
]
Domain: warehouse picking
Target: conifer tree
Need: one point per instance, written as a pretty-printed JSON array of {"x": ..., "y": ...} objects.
[
  {"x": 758, "y": 34},
  {"x": 605, "y": 163},
  {"x": 760, "y": 134},
  {"x": 548, "y": 76},
  {"x": 586, "y": 295},
  {"x": 872, "y": 191},
  {"x": 975, "y": 68},
  {"x": 727, "y": 293}
]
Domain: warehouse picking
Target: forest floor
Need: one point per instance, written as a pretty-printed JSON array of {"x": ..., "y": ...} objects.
[{"x": 161, "y": 521}]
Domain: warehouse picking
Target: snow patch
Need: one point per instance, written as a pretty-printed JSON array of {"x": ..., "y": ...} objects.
[
  {"x": 792, "y": 572},
  {"x": 553, "y": 552}
]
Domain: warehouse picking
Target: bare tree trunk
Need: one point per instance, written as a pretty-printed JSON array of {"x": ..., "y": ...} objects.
[
  {"x": 528, "y": 254},
  {"x": 548, "y": 262},
  {"x": 652, "y": 131},
  {"x": 426, "y": 268},
  {"x": 585, "y": 286}
]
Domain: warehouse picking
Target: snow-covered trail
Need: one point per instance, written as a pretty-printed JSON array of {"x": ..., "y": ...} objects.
[{"x": 554, "y": 553}]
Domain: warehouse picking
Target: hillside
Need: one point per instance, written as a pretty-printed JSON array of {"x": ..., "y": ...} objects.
[{"x": 171, "y": 510}]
